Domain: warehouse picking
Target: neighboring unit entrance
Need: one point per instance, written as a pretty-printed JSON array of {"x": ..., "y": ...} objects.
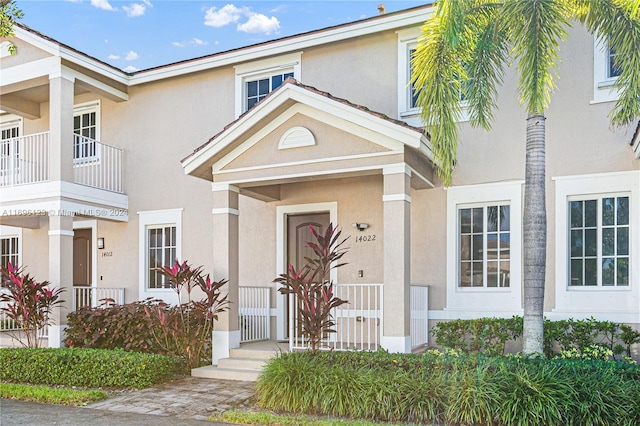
[{"x": 82, "y": 266}]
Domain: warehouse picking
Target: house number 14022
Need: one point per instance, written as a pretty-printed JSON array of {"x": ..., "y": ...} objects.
[{"x": 365, "y": 238}]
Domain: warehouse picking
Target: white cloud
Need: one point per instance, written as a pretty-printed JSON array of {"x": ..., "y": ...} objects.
[
  {"x": 102, "y": 4},
  {"x": 136, "y": 9},
  {"x": 147, "y": 2},
  {"x": 113, "y": 57},
  {"x": 131, "y": 68},
  {"x": 131, "y": 56},
  {"x": 193, "y": 41},
  {"x": 228, "y": 14},
  {"x": 259, "y": 23},
  {"x": 231, "y": 14}
]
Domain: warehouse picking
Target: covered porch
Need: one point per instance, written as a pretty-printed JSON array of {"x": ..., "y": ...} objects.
[{"x": 300, "y": 157}]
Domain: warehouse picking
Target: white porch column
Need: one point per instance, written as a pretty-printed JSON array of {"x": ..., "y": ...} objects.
[
  {"x": 60, "y": 273},
  {"x": 61, "y": 126},
  {"x": 226, "y": 334},
  {"x": 396, "y": 335}
]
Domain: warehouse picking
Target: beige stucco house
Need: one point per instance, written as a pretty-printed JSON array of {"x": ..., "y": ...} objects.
[{"x": 224, "y": 160}]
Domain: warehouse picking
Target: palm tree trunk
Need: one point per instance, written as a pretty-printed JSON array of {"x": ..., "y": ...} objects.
[{"x": 534, "y": 235}]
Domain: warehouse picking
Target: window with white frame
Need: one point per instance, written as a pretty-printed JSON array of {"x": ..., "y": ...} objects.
[
  {"x": 599, "y": 230},
  {"x": 161, "y": 252},
  {"x": 160, "y": 236},
  {"x": 10, "y": 129},
  {"x": 10, "y": 246},
  {"x": 484, "y": 252},
  {"x": 9, "y": 251},
  {"x": 484, "y": 249},
  {"x": 605, "y": 72},
  {"x": 407, "y": 92},
  {"x": 256, "y": 90},
  {"x": 85, "y": 130},
  {"x": 255, "y": 80},
  {"x": 595, "y": 242}
]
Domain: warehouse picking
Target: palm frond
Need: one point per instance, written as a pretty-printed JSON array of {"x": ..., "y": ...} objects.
[
  {"x": 536, "y": 28},
  {"x": 487, "y": 63},
  {"x": 439, "y": 73}
]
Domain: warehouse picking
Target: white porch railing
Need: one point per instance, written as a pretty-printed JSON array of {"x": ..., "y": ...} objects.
[
  {"x": 419, "y": 315},
  {"x": 97, "y": 164},
  {"x": 8, "y": 324},
  {"x": 94, "y": 296},
  {"x": 359, "y": 323},
  {"x": 254, "y": 309},
  {"x": 24, "y": 159}
]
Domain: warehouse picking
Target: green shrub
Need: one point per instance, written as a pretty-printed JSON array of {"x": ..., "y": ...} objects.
[
  {"x": 112, "y": 326},
  {"x": 489, "y": 336},
  {"x": 449, "y": 388},
  {"x": 84, "y": 367}
]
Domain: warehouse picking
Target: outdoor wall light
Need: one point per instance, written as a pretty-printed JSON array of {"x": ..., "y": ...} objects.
[
  {"x": 360, "y": 226},
  {"x": 100, "y": 243}
]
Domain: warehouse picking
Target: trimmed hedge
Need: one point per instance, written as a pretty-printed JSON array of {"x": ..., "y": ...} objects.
[
  {"x": 490, "y": 336},
  {"x": 452, "y": 389},
  {"x": 84, "y": 367}
]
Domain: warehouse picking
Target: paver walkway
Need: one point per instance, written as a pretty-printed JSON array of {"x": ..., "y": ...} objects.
[{"x": 188, "y": 398}]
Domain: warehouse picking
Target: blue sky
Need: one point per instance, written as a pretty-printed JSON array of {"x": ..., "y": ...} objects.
[{"x": 139, "y": 34}]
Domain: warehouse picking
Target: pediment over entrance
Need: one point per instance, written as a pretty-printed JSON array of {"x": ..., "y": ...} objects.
[{"x": 324, "y": 138}]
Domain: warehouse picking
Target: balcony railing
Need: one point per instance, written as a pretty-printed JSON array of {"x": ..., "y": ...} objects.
[
  {"x": 97, "y": 164},
  {"x": 26, "y": 160}
]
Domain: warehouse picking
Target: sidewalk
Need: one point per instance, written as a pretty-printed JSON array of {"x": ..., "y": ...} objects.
[
  {"x": 188, "y": 398},
  {"x": 188, "y": 401}
]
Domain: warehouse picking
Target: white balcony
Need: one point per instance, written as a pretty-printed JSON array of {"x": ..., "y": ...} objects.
[{"x": 25, "y": 160}]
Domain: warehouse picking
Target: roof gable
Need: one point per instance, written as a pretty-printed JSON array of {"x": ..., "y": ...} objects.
[{"x": 295, "y": 98}]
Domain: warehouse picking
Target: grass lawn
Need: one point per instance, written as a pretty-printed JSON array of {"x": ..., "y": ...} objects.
[
  {"x": 271, "y": 419},
  {"x": 50, "y": 395}
]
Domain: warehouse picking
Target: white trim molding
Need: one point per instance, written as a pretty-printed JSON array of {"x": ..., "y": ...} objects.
[
  {"x": 488, "y": 301},
  {"x": 396, "y": 344},
  {"x": 396, "y": 197},
  {"x": 223, "y": 210},
  {"x": 596, "y": 301}
]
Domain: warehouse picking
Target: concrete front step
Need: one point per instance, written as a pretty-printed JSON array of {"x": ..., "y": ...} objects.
[
  {"x": 214, "y": 372},
  {"x": 235, "y": 363},
  {"x": 260, "y": 354},
  {"x": 244, "y": 363}
]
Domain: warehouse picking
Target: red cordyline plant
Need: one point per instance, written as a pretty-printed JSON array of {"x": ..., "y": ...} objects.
[
  {"x": 185, "y": 329},
  {"x": 28, "y": 303},
  {"x": 313, "y": 289}
]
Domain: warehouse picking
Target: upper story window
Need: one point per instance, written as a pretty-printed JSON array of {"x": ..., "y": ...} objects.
[
  {"x": 599, "y": 241},
  {"x": 407, "y": 92},
  {"x": 256, "y": 90},
  {"x": 484, "y": 251},
  {"x": 255, "y": 80},
  {"x": 10, "y": 130},
  {"x": 86, "y": 128},
  {"x": 613, "y": 70},
  {"x": 605, "y": 72}
]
